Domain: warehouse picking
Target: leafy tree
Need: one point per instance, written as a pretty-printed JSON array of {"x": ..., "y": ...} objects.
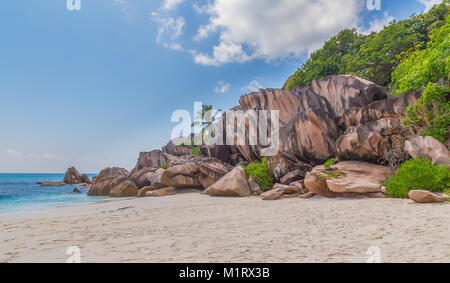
[
  {"x": 329, "y": 60},
  {"x": 381, "y": 52},
  {"x": 424, "y": 66},
  {"x": 422, "y": 69},
  {"x": 374, "y": 56}
]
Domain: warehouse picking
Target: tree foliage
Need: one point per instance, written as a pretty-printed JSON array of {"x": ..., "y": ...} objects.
[{"x": 374, "y": 56}]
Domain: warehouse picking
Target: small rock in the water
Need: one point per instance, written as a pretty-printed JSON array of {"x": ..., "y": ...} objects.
[
  {"x": 52, "y": 184},
  {"x": 427, "y": 197},
  {"x": 76, "y": 190}
]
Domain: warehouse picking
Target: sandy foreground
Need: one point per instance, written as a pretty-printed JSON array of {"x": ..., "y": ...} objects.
[{"x": 198, "y": 228}]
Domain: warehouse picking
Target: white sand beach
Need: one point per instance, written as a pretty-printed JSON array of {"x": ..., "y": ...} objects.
[{"x": 198, "y": 228}]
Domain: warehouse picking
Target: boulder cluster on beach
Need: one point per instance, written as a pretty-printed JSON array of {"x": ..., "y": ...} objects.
[{"x": 342, "y": 117}]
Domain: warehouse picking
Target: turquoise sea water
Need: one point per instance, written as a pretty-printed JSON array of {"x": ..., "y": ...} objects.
[{"x": 20, "y": 193}]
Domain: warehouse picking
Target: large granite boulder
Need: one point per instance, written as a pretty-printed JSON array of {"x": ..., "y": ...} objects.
[
  {"x": 169, "y": 191},
  {"x": 310, "y": 118},
  {"x": 177, "y": 150},
  {"x": 124, "y": 189},
  {"x": 181, "y": 176},
  {"x": 152, "y": 159},
  {"x": 344, "y": 92},
  {"x": 220, "y": 152},
  {"x": 271, "y": 99},
  {"x": 391, "y": 107},
  {"x": 311, "y": 133},
  {"x": 293, "y": 176},
  {"x": 72, "y": 176},
  {"x": 108, "y": 179},
  {"x": 361, "y": 143},
  {"x": 428, "y": 147},
  {"x": 420, "y": 196},
  {"x": 234, "y": 184},
  {"x": 85, "y": 179},
  {"x": 142, "y": 177},
  {"x": 206, "y": 170},
  {"x": 348, "y": 179}
]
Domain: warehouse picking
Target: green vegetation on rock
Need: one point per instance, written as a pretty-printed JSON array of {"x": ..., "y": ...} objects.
[
  {"x": 431, "y": 111},
  {"x": 329, "y": 163},
  {"x": 195, "y": 151},
  {"x": 418, "y": 174},
  {"x": 260, "y": 173},
  {"x": 424, "y": 66},
  {"x": 375, "y": 56}
]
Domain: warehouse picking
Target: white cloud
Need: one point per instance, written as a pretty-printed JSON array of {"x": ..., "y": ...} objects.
[
  {"x": 21, "y": 155},
  {"x": 272, "y": 29},
  {"x": 378, "y": 24},
  {"x": 169, "y": 30},
  {"x": 225, "y": 52},
  {"x": 222, "y": 87},
  {"x": 252, "y": 86},
  {"x": 171, "y": 4},
  {"x": 429, "y": 3}
]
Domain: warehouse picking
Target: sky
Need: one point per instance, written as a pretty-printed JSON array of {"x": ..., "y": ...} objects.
[{"x": 92, "y": 88}]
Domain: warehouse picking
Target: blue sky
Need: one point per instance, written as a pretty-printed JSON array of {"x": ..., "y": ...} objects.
[{"x": 92, "y": 88}]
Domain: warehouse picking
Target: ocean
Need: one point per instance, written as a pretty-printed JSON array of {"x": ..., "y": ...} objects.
[{"x": 20, "y": 193}]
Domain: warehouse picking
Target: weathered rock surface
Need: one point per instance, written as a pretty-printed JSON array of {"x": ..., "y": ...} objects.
[
  {"x": 279, "y": 190},
  {"x": 254, "y": 187},
  {"x": 428, "y": 147},
  {"x": 234, "y": 184},
  {"x": 72, "y": 176},
  {"x": 206, "y": 170},
  {"x": 292, "y": 177},
  {"x": 391, "y": 107},
  {"x": 272, "y": 195},
  {"x": 76, "y": 190},
  {"x": 361, "y": 143},
  {"x": 125, "y": 189},
  {"x": 177, "y": 150},
  {"x": 347, "y": 179},
  {"x": 108, "y": 179},
  {"x": 169, "y": 191},
  {"x": 220, "y": 152},
  {"x": 152, "y": 159},
  {"x": 142, "y": 177},
  {"x": 341, "y": 116},
  {"x": 85, "y": 179},
  {"x": 427, "y": 197}
]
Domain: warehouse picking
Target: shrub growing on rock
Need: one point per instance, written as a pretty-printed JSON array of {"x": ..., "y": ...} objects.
[
  {"x": 195, "y": 151},
  {"x": 260, "y": 173},
  {"x": 431, "y": 111},
  {"x": 418, "y": 174},
  {"x": 329, "y": 163}
]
